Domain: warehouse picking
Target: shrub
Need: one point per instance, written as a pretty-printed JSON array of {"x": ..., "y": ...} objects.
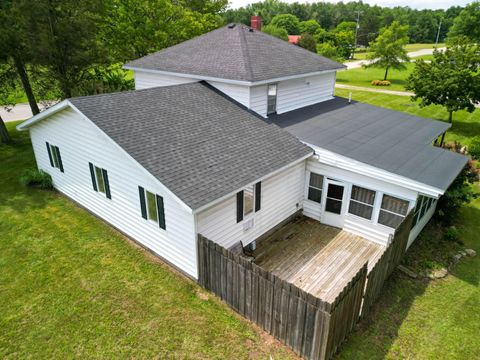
[
  {"x": 308, "y": 42},
  {"x": 276, "y": 31},
  {"x": 474, "y": 148},
  {"x": 381, "y": 83},
  {"x": 36, "y": 178},
  {"x": 451, "y": 234}
]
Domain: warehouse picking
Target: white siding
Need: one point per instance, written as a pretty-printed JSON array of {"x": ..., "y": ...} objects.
[
  {"x": 297, "y": 93},
  {"x": 240, "y": 93},
  {"x": 145, "y": 80},
  {"x": 258, "y": 99},
  {"x": 368, "y": 229},
  {"x": 81, "y": 142},
  {"x": 421, "y": 224},
  {"x": 282, "y": 196}
]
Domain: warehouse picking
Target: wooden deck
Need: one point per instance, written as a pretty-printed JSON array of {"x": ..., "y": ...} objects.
[{"x": 317, "y": 258}]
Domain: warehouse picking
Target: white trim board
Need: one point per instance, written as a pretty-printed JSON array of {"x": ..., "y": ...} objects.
[
  {"x": 229, "y": 81},
  {"x": 346, "y": 163}
]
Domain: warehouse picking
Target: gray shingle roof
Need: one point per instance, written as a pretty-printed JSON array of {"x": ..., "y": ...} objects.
[
  {"x": 196, "y": 142},
  {"x": 389, "y": 140},
  {"x": 237, "y": 53}
]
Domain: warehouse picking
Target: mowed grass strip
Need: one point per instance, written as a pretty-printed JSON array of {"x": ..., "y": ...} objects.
[{"x": 72, "y": 287}]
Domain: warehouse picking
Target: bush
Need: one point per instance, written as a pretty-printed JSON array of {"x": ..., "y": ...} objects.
[
  {"x": 381, "y": 83},
  {"x": 451, "y": 234},
  {"x": 36, "y": 178},
  {"x": 474, "y": 148},
  {"x": 308, "y": 42},
  {"x": 276, "y": 31}
]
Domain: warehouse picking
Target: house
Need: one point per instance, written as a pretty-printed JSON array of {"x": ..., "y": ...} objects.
[
  {"x": 229, "y": 135},
  {"x": 294, "y": 39}
]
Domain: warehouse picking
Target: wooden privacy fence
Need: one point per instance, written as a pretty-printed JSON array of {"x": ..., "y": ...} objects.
[
  {"x": 312, "y": 327},
  {"x": 386, "y": 264}
]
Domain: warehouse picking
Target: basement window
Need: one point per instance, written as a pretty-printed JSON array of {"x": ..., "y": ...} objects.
[
  {"x": 392, "y": 211},
  {"x": 315, "y": 188},
  {"x": 271, "y": 99},
  {"x": 361, "y": 202}
]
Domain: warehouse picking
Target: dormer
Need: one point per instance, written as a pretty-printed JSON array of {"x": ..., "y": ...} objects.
[{"x": 263, "y": 73}]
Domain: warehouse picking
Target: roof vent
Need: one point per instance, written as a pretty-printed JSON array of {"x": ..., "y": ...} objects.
[
  {"x": 231, "y": 26},
  {"x": 250, "y": 29}
]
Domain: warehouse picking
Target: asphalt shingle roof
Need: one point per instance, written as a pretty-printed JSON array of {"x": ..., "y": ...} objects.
[
  {"x": 386, "y": 139},
  {"x": 196, "y": 142},
  {"x": 236, "y": 53}
]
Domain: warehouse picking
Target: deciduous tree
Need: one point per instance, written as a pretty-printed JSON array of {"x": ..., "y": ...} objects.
[
  {"x": 467, "y": 23},
  {"x": 276, "y": 31},
  {"x": 451, "y": 79},
  {"x": 288, "y": 22},
  {"x": 388, "y": 49}
]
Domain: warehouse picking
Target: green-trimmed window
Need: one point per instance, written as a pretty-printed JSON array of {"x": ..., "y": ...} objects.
[
  {"x": 100, "y": 181},
  {"x": 152, "y": 207},
  {"x": 54, "y": 156}
]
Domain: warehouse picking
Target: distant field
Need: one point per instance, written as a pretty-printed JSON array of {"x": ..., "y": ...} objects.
[{"x": 361, "y": 53}]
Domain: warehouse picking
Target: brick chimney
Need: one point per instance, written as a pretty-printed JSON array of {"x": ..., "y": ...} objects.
[{"x": 256, "y": 22}]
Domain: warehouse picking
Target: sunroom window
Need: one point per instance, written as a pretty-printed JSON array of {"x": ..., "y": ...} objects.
[
  {"x": 315, "y": 187},
  {"x": 361, "y": 202},
  {"x": 392, "y": 211},
  {"x": 271, "y": 99}
]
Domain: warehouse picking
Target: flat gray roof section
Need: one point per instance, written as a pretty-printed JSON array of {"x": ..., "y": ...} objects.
[
  {"x": 236, "y": 52},
  {"x": 199, "y": 144},
  {"x": 390, "y": 140}
]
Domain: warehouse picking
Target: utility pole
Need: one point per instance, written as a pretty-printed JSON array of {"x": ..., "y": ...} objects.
[
  {"x": 438, "y": 33},
  {"x": 358, "y": 12}
]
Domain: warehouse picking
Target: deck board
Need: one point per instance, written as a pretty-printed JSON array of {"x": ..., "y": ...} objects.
[{"x": 317, "y": 258}]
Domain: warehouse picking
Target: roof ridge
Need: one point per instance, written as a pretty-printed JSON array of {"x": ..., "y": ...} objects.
[{"x": 246, "y": 54}]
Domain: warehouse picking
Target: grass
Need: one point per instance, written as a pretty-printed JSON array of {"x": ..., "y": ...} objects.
[
  {"x": 424, "y": 57},
  {"x": 465, "y": 124},
  {"x": 416, "y": 47},
  {"x": 72, "y": 287},
  {"x": 363, "y": 77},
  {"x": 420, "y": 319}
]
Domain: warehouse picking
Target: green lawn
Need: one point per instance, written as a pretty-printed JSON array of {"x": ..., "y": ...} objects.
[
  {"x": 424, "y": 57},
  {"x": 465, "y": 124},
  {"x": 71, "y": 287},
  {"x": 363, "y": 77},
  {"x": 416, "y": 47}
]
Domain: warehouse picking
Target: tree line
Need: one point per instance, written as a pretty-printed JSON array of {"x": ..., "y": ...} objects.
[{"x": 422, "y": 24}]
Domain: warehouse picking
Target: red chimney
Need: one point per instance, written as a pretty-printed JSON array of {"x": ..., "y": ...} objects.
[{"x": 256, "y": 22}]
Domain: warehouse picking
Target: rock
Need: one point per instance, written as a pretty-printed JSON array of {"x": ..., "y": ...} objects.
[
  {"x": 470, "y": 252},
  {"x": 438, "y": 274},
  {"x": 407, "y": 271},
  {"x": 463, "y": 253},
  {"x": 457, "y": 257}
]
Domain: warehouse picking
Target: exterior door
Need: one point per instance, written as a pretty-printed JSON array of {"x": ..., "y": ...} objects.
[{"x": 334, "y": 203}]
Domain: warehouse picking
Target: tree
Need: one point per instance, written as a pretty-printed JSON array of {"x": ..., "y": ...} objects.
[
  {"x": 135, "y": 28},
  {"x": 451, "y": 79},
  {"x": 309, "y": 27},
  {"x": 14, "y": 47},
  {"x": 308, "y": 42},
  {"x": 276, "y": 31},
  {"x": 8, "y": 84},
  {"x": 467, "y": 23},
  {"x": 288, "y": 22},
  {"x": 388, "y": 50},
  {"x": 328, "y": 50}
]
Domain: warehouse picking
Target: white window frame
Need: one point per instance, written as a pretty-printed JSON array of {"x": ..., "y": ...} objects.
[
  {"x": 252, "y": 188},
  {"x": 276, "y": 98},
  {"x": 373, "y": 206},
  {"x": 314, "y": 187},
  {"x": 391, "y": 212}
]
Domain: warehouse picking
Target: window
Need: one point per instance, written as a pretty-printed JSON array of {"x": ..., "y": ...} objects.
[
  {"x": 424, "y": 203},
  {"x": 100, "y": 180},
  {"x": 361, "y": 202},
  {"x": 248, "y": 200},
  {"x": 392, "y": 212},
  {"x": 334, "y": 198},
  {"x": 271, "y": 99},
  {"x": 152, "y": 207},
  {"x": 315, "y": 188},
  {"x": 54, "y": 156}
]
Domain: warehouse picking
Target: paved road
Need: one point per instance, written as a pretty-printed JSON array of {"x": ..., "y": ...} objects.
[
  {"x": 19, "y": 112},
  {"x": 359, "y": 63}
]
